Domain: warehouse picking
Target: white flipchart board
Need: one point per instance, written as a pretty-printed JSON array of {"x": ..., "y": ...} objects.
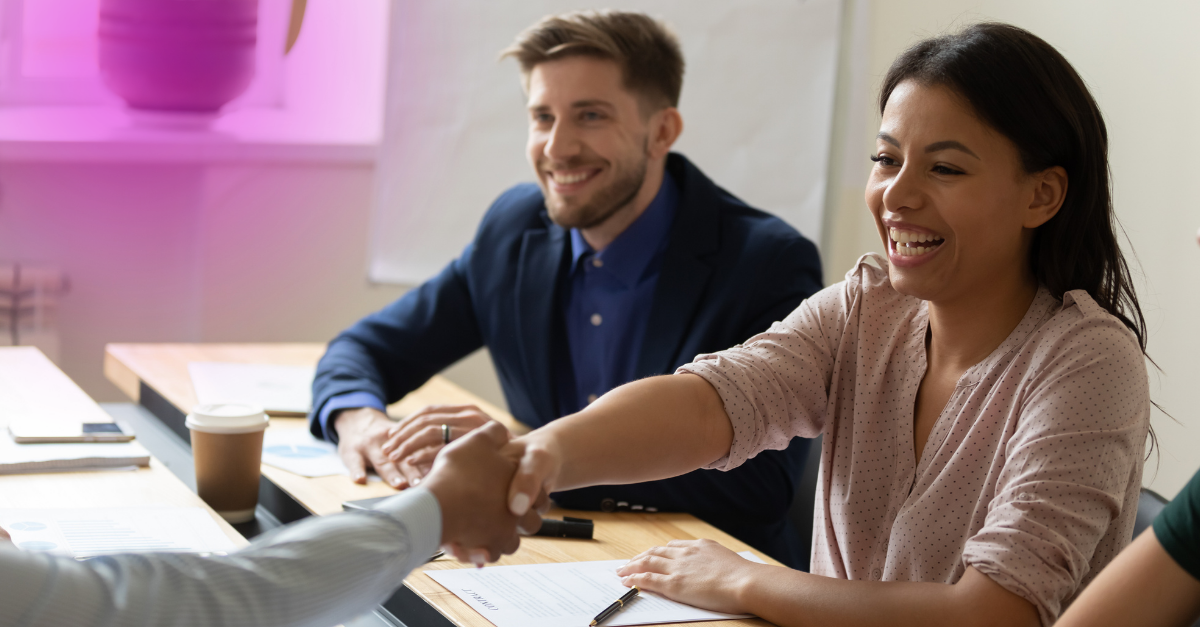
[{"x": 757, "y": 105}]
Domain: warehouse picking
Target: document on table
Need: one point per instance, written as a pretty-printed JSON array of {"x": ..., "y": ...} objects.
[
  {"x": 563, "y": 595},
  {"x": 281, "y": 390},
  {"x": 99, "y": 531},
  {"x": 297, "y": 451}
]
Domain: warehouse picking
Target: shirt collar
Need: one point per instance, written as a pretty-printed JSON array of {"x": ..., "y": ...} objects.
[{"x": 631, "y": 252}]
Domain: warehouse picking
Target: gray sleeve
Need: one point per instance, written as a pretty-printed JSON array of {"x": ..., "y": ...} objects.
[{"x": 315, "y": 573}]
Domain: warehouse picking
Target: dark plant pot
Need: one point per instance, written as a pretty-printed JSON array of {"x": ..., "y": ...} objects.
[{"x": 187, "y": 56}]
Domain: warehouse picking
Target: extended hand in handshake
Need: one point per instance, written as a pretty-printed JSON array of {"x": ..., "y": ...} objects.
[{"x": 471, "y": 479}]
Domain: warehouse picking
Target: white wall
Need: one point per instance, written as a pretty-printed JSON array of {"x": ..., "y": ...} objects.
[{"x": 1140, "y": 61}]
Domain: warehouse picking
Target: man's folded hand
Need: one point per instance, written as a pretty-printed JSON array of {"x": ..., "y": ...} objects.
[
  {"x": 414, "y": 442},
  {"x": 361, "y": 434}
]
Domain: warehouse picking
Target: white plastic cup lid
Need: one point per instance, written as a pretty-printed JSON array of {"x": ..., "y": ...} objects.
[{"x": 227, "y": 418}]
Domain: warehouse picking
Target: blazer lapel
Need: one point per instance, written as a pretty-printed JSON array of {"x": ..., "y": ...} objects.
[
  {"x": 537, "y": 282},
  {"x": 684, "y": 274}
]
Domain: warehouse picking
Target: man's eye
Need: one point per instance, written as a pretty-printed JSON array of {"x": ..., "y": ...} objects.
[
  {"x": 882, "y": 160},
  {"x": 592, "y": 116}
]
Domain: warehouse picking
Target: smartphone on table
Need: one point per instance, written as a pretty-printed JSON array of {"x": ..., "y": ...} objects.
[{"x": 83, "y": 432}]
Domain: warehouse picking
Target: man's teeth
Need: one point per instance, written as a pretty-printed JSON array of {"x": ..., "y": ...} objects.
[
  {"x": 568, "y": 179},
  {"x": 906, "y": 242}
]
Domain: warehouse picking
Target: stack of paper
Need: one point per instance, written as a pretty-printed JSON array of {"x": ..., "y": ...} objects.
[
  {"x": 26, "y": 458},
  {"x": 280, "y": 390},
  {"x": 90, "y": 532}
]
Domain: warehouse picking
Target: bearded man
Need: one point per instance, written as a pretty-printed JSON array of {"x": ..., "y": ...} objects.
[{"x": 622, "y": 262}]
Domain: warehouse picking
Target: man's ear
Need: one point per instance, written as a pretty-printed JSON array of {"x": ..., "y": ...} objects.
[
  {"x": 1049, "y": 192},
  {"x": 665, "y": 127}
]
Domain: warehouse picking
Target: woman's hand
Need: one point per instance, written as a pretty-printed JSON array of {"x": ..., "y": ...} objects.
[
  {"x": 697, "y": 572},
  {"x": 538, "y": 464}
]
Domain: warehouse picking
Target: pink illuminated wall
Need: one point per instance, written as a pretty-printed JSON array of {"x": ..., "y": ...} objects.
[{"x": 254, "y": 229}]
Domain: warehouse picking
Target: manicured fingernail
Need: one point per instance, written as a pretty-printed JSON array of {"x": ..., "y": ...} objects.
[
  {"x": 478, "y": 558},
  {"x": 519, "y": 504},
  {"x": 417, "y": 481},
  {"x": 395, "y": 483}
]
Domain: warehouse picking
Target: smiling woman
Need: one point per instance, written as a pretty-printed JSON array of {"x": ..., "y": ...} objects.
[{"x": 982, "y": 391}]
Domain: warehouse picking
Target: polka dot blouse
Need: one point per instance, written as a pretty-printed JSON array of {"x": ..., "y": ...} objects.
[{"x": 1031, "y": 473}]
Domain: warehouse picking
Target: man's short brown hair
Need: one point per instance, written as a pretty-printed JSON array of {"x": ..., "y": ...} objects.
[{"x": 645, "y": 49}]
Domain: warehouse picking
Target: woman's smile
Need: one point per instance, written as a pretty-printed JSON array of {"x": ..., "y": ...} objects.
[{"x": 908, "y": 248}]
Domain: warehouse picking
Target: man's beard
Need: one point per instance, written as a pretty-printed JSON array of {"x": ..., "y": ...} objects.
[{"x": 606, "y": 202}]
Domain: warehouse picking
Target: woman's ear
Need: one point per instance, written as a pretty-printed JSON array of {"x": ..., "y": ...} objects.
[{"x": 1049, "y": 191}]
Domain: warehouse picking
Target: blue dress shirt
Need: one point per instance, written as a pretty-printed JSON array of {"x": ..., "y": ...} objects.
[{"x": 607, "y": 299}]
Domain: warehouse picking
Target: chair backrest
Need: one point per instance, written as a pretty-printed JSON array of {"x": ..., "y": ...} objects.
[
  {"x": 1150, "y": 503},
  {"x": 801, "y": 513}
]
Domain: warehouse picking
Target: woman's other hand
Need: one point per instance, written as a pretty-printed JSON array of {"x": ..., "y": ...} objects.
[{"x": 697, "y": 572}]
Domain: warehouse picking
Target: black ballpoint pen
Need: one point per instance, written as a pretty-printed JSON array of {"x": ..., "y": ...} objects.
[{"x": 615, "y": 607}]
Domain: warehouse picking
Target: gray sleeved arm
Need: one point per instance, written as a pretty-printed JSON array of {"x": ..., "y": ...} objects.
[{"x": 315, "y": 573}]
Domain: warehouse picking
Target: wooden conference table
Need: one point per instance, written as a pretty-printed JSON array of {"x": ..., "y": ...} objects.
[
  {"x": 31, "y": 385},
  {"x": 156, "y": 376}
]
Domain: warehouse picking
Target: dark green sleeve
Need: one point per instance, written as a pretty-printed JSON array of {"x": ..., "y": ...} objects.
[{"x": 1178, "y": 527}]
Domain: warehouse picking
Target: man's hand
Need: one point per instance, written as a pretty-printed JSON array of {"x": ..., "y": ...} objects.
[
  {"x": 415, "y": 441},
  {"x": 470, "y": 479},
  {"x": 361, "y": 434}
]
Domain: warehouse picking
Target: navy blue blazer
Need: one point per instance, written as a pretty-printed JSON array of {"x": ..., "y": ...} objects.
[{"x": 728, "y": 272}]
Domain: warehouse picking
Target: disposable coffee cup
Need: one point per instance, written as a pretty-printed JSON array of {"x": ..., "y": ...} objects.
[{"x": 227, "y": 441}]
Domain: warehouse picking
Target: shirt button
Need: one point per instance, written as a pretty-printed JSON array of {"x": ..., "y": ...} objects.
[
  {"x": 597, "y": 262},
  {"x": 596, "y": 319},
  {"x": 876, "y": 574},
  {"x": 592, "y": 398}
]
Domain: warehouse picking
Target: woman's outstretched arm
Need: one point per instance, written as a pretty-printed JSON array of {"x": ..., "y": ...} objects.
[{"x": 646, "y": 430}]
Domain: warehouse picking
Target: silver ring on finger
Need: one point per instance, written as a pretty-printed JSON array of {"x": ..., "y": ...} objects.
[{"x": 445, "y": 434}]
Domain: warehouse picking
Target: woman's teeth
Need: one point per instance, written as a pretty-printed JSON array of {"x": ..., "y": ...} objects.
[{"x": 908, "y": 243}]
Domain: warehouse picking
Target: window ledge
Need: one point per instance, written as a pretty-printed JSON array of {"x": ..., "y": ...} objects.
[{"x": 109, "y": 134}]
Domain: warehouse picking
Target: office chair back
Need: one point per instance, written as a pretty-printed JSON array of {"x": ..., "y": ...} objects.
[{"x": 1150, "y": 503}]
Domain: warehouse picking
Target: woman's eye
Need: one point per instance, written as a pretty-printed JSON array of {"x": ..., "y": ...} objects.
[
  {"x": 941, "y": 169},
  {"x": 882, "y": 160}
]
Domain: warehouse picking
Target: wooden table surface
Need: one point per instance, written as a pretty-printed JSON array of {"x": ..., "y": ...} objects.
[
  {"x": 32, "y": 387},
  {"x": 163, "y": 367}
]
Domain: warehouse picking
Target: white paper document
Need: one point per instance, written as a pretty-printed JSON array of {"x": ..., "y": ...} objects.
[
  {"x": 278, "y": 389},
  {"x": 563, "y": 595},
  {"x": 100, "y": 531},
  {"x": 26, "y": 458},
  {"x": 296, "y": 450}
]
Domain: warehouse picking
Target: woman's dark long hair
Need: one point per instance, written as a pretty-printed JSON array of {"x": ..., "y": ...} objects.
[{"x": 1023, "y": 88}]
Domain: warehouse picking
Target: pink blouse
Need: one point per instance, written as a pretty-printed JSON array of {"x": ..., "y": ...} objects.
[{"x": 1031, "y": 473}]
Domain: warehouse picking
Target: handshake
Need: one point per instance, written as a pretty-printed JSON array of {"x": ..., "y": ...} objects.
[{"x": 484, "y": 499}]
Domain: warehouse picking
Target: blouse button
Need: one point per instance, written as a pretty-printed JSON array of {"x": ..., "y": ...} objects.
[{"x": 876, "y": 574}]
